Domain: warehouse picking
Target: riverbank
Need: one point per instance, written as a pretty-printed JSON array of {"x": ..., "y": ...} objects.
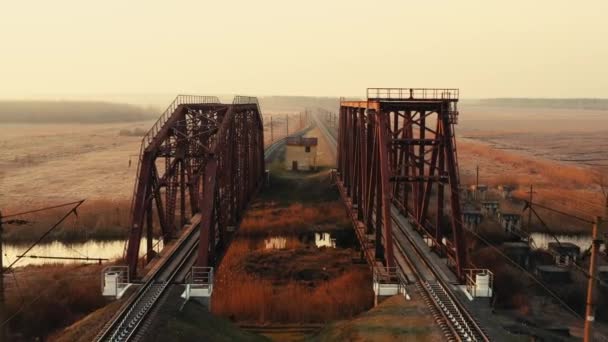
[
  {"x": 99, "y": 220},
  {"x": 43, "y": 299},
  {"x": 292, "y": 259}
]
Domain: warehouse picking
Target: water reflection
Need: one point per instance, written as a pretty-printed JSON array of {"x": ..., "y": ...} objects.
[
  {"x": 541, "y": 241},
  {"x": 277, "y": 242},
  {"x": 92, "y": 249},
  {"x": 321, "y": 239},
  {"x": 324, "y": 240}
]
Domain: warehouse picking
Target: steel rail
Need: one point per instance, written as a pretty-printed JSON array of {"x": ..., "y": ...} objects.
[
  {"x": 436, "y": 278},
  {"x": 150, "y": 298},
  {"x": 126, "y": 323},
  {"x": 426, "y": 287}
]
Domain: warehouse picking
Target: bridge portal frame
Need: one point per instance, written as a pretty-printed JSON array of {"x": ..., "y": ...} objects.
[
  {"x": 201, "y": 157},
  {"x": 398, "y": 148}
]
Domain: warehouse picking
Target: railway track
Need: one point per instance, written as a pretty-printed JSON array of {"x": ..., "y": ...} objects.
[
  {"x": 130, "y": 322},
  {"x": 454, "y": 320}
]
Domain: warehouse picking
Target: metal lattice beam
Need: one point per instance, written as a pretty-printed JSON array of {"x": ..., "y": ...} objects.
[
  {"x": 398, "y": 148},
  {"x": 201, "y": 157}
]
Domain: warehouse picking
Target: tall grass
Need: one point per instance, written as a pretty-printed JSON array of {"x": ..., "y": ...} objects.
[
  {"x": 244, "y": 297},
  {"x": 565, "y": 187},
  {"x": 95, "y": 220},
  {"x": 529, "y": 169},
  {"x": 293, "y": 219},
  {"x": 46, "y": 298},
  {"x": 254, "y": 285}
]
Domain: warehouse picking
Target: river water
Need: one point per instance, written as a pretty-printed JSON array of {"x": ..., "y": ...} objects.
[
  {"x": 92, "y": 249},
  {"x": 114, "y": 249},
  {"x": 542, "y": 240}
]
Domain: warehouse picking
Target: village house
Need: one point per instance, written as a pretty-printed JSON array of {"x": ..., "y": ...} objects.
[{"x": 301, "y": 154}]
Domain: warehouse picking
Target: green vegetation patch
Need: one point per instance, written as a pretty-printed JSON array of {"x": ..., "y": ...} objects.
[
  {"x": 287, "y": 187},
  {"x": 195, "y": 323}
]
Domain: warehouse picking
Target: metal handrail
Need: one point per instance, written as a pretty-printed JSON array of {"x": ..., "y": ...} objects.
[
  {"x": 239, "y": 99},
  {"x": 450, "y": 94},
  {"x": 201, "y": 276},
  {"x": 164, "y": 117},
  {"x": 153, "y": 131},
  {"x": 471, "y": 282}
]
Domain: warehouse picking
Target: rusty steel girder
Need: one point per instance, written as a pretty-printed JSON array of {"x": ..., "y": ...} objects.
[
  {"x": 203, "y": 158},
  {"x": 397, "y": 150}
]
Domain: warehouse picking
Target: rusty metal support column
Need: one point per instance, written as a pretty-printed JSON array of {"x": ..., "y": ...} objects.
[
  {"x": 590, "y": 307},
  {"x": 385, "y": 195}
]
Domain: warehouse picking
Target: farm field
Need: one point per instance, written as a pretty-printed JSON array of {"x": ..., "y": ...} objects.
[{"x": 558, "y": 151}]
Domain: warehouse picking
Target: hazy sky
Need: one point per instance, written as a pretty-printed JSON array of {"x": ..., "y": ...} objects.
[{"x": 535, "y": 48}]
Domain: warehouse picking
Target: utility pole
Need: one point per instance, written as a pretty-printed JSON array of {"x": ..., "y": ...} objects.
[
  {"x": 590, "y": 310},
  {"x": 3, "y": 336},
  {"x": 271, "y": 132},
  {"x": 530, "y": 207},
  {"x": 477, "y": 178},
  {"x": 287, "y": 124}
]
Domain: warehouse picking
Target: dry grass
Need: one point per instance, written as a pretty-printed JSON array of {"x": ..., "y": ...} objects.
[
  {"x": 561, "y": 186},
  {"x": 300, "y": 283},
  {"x": 247, "y": 298},
  {"x": 257, "y": 296},
  {"x": 293, "y": 219},
  {"x": 52, "y": 297},
  {"x": 527, "y": 169},
  {"x": 50, "y": 163},
  {"x": 96, "y": 220},
  {"x": 394, "y": 319}
]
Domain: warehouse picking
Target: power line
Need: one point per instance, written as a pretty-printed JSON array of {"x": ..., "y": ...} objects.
[
  {"x": 529, "y": 204},
  {"x": 73, "y": 210},
  {"x": 530, "y": 275},
  {"x": 2, "y": 269},
  {"x": 43, "y": 209}
]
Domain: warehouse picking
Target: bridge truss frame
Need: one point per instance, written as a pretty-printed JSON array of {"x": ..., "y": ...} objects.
[
  {"x": 397, "y": 149},
  {"x": 201, "y": 157}
]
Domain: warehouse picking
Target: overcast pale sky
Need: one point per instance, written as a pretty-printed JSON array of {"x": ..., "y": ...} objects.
[{"x": 523, "y": 48}]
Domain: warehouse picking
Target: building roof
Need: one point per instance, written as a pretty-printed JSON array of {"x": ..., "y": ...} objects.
[
  {"x": 301, "y": 141},
  {"x": 509, "y": 214},
  {"x": 563, "y": 248},
  {"x": 516, "y": 244},
  {"x": 551, "y": 268}
]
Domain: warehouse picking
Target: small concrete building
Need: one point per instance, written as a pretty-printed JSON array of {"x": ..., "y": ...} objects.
[
  {"x": 301, "y": 154},
  {"x": 489, "y": 208},
  {"x": 510, "y": 221},
  {"x": 472, "y": 218},
  {"x": 480, "y": 191},
  {"x": 518, "y": 252},
  {"x": 464, "y": 192},
  {"x": 602, "y": 272},
  {"x": 553, "y": 274},
  {"x": 506, "y": 191},
  {"x": 564, "y": 253}
]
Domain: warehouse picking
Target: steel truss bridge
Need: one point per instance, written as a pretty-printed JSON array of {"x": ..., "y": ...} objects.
[
  {"x": 201, "y": 157},
  {"x": 398, "y": 148},
  {"x": 203, "y": 160},
  {"x": 396, "y": 154}
]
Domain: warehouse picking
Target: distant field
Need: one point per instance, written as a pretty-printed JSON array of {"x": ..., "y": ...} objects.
[
  {"x": 475, "y": 118},
  {"x": 556, "y": 150},
  {"x": 550, "y": 148},
  {"x": 51, "y": 163},
  {"x": 71, "y": 112},
  {"x": 577, "y": 147}
]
